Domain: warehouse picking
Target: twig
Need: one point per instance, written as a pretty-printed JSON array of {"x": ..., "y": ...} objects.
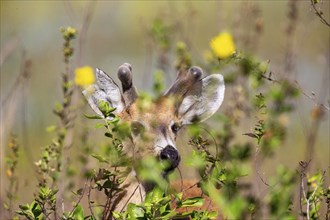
[
  {"x": 308, "y": 200},
  {"x": 215, "y": 142},
  {"x": 269, "y": 78},
  {"x": 89, "y": 199},
  {"x": 106, "y": 209},
  {"x": 319, "y": 13},
  {"x": 80, "y": 198},
  {"x": 311, "y": 97},
  {"x": 257, "y": 169},
  {"x": 303, "y": 166},
  {"x": 129, "y": 198}
]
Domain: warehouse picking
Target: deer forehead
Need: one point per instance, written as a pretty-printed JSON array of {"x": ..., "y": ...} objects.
[{"x": 158, "y": 113}]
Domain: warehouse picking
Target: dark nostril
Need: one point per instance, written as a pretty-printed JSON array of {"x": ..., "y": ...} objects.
[
  {"x": 164, "y": 155},
  {"x": 171, "y": 154}
]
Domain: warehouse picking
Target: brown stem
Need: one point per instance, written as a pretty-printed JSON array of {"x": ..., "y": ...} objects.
[
  {"x": 311, "y": 139},
  {"x": 89, "y": 199},
  {"x": 319, "y": 13}
]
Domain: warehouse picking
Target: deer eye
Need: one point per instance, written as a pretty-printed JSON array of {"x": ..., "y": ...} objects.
[
  {"x": 175, "y": 127},
  {"x": 137, "y": 128}
]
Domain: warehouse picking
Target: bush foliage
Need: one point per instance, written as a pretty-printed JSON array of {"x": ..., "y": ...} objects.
[{"x": 228, "y": 163}]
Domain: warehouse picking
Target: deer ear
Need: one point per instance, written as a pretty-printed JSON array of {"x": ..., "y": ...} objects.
[
  {"x": 105, "y": 90},
  {"x": 201, "y": 104}
]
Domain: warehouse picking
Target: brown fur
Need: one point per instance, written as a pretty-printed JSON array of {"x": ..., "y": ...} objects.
[{"x": 190, "y": 189}]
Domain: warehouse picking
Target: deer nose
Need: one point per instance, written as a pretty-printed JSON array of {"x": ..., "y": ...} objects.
[{"x": 171, "y": 155}]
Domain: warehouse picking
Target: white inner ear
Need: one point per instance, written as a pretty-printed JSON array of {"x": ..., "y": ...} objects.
[
  {"x": 106, "y": 90},
  {"x": 112, "y": 91},
  {"x": 202, "y": 106},
  {"x": 93, "y": 94}
]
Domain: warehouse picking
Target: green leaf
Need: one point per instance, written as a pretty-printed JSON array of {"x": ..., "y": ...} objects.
[
  {"x": 105, "y": 108},
  {"x": 32, "y": 211},
  {"x": 78, "y": 213},
  {"x": 169, "y": 214},
  {"x": 193, "y": 202},
  {"x": 134, "y": 211},
  {"x": 196, "y": 160},
  {"x": 155, "y": 195},
  {"x": 213, "y": 215},
  {"x": 99, "y": 125},
  {"x": 5, "y": 205},
  {"x": 116, "y": 215},
  {"x": 93, "y": 116},
  {"x": 51, "y": 128},
  {"x": 36, "y": 209},
  {"x": 24, "y": 207},
  {"x": 100, "y": 158},
  {"x": 179, "y": 196}
]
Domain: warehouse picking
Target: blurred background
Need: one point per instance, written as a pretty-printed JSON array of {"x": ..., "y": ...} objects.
[{"x": 289, "y": 35}]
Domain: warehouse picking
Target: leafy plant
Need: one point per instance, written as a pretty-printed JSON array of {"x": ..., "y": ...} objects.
[{"x": 226, "y": 153}]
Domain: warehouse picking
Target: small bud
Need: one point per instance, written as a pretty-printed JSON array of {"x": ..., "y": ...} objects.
[
  {"x": 69, "y": 33},
  {"x": 9, "y": 173}
]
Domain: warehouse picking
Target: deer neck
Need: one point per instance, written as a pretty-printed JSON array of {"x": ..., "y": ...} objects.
[{"x": 134, "y": 191}]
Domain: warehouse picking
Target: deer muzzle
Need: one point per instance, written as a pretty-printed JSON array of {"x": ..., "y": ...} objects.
[{"x": 171, "y": 155}]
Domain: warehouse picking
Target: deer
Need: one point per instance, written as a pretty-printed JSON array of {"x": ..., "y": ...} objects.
[{"x": 190, "y": 99}]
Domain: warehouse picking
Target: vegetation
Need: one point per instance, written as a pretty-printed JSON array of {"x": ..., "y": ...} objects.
[{"x": 227, "y": 155}]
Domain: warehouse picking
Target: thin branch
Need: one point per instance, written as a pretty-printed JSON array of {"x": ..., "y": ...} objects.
[
  {"x": 256, "y": 163},
  {"x": 304, "y": 165},
  {"x": 305, "y": 197},
  {"x": 311, "y": 97},
  {"x": 80, "y": 198},
  {"x": 89, "y": 199},
  {"x": 319, "y": 13},
  {"x": 106, "y": 209},
  {"x": 215, "y": 142}
]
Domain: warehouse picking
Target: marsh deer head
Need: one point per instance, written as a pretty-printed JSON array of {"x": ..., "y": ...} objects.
[{"x": 155, "y": 126}]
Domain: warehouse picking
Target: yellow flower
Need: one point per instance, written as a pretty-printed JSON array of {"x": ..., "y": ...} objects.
[
  {"x": 84, "y": 76},
  {"x": 223, "y": 45}
]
